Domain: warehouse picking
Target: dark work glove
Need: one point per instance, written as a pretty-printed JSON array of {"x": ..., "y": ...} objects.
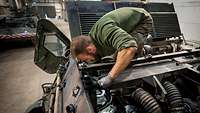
[{"x": 105, "y": 81}]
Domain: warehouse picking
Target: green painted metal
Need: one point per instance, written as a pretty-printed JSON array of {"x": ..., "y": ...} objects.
[{"x": 44, "y": 58}]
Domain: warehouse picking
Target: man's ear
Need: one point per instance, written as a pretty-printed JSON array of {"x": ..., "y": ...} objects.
[{"x": 91, "y": 49}]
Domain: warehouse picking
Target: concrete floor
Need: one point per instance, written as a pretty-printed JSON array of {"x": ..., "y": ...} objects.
[{"x": 20, "y": 80}]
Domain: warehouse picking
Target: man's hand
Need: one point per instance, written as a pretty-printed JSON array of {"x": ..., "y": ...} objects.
[
  {"x": 105, "y": 81},
  {"x": 123, "y": 59}
]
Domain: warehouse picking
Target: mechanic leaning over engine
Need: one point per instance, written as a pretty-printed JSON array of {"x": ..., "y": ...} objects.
[{"x": 120, "y": 34}]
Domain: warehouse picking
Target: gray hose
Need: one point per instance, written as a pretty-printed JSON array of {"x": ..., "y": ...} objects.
[
  {"x": 174, "y": 99},
  {"x": 145, "y": 101}
]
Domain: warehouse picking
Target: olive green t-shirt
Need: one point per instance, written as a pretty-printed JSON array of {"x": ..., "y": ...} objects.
[{"x": 111, "y": 33}]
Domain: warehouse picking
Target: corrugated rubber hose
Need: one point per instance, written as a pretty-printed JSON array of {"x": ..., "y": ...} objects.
[
  {"x": 145, "y": 101},
  {"x": 174, "y": 99}
]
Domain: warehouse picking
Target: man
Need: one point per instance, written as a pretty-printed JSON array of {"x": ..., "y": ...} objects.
[{"x": 120, "y": 33}]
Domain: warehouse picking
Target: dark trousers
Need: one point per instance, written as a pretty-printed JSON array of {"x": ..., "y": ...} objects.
[{"x": 141, "y": 32}]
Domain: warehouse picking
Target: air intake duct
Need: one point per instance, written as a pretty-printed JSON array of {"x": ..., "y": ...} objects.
[
  {"x": 174, "y": 99},
  {"x": 145, "y": 101}
]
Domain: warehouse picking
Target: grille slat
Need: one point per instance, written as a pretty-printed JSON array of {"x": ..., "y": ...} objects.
[{"x": 87, "y": 20}]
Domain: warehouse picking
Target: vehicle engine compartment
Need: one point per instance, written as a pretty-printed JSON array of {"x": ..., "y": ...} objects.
[{"x": 168, "y": 85}]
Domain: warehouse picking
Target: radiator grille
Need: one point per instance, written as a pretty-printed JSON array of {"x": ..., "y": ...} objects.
[
  {"x": 83, "y": 15},
  {"x": 87, "y": 20},
  {"x": 166, "y": 25}
]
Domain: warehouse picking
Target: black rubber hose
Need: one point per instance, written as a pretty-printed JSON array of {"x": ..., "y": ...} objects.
[
  {"x": 145, "y": 101},
  {"x": 174, "y": 99}
]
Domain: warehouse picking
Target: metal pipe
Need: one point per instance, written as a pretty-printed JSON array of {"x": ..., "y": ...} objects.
[
  {"x": 56, "y": 105},
  {"x": 52, "y": 98},
  {"x": 160, "y": 85},
  {"x": 50, "y": 110},
  {"x": 142, "y": 60}
]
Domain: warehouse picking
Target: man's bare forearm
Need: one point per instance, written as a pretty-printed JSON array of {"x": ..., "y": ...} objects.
[{"x": 123, "y": 59}]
